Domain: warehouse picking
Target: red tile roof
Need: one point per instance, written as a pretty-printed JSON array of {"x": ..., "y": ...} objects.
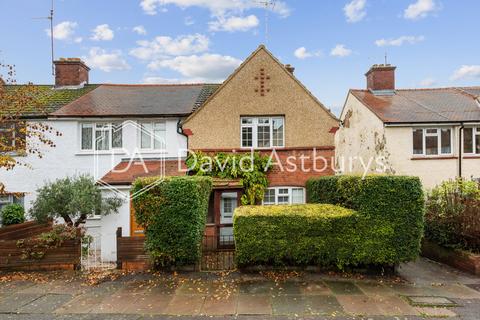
[{"x": 424, "y": 105}]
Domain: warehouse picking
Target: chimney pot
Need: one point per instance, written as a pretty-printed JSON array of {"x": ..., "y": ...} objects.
[
  {"x": 289, "y": 68},
  {"x": 70, "y": 72},
  {"x": 381, "y": 77}
]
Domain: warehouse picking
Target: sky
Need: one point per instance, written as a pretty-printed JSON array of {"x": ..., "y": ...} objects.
[{"x": 433, "y": 43}]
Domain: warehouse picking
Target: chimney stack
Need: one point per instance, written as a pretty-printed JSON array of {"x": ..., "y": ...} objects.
[
  {"x": 289, "y": 68},
  {"x": 70, "y": 72},
  {"x": 381, "y": 77}
]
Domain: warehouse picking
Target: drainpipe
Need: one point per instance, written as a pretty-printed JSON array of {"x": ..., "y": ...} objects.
[
  {"x": 180, "y": 131},
  {"x": 460, "y": 145}
]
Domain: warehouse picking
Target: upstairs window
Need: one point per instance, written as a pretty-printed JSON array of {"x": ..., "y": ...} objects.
[
  {"x": 12, "y": 136},
  {"x": 432, "y": 141},
  {"x": 284, "y": 195},
  {"x": 152, "y": 135},
  {"x": 262, "y": 132},
  {"x": 101, "y": 136},
  {"x": 471, "y": 140}
]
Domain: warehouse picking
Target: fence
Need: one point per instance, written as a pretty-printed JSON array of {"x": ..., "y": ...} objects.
[
  {"x": 131, "y": 254},
  {"x": 14, "y": 255}
]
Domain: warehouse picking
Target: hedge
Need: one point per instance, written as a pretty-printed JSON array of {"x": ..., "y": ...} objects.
[
  {"x": 392, "y": 207},
  {"x": 173, "y": 214},
  {"x": 319, "y": 234}
]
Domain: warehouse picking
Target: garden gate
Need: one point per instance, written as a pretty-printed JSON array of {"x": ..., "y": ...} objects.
[{"x": 218, "y": 253}]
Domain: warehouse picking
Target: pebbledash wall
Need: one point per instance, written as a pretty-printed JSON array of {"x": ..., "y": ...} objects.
[{"x": 67, "y": 159}]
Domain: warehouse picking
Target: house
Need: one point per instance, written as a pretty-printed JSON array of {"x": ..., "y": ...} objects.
[
  {"x": 118, "y": 133},
  {"x": 430, "y": 133}
]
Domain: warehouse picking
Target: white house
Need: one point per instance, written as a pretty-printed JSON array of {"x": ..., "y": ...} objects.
[
  {"x": 430, "y": 133},
  {"x": 103, "y": 127}
]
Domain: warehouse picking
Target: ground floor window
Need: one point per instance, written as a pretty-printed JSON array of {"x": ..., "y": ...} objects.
[
  {"x": 284, "y": 195},
  {"x": 471, "y": 140},
  {"x": 432, "y": 141},
  {"x": 6, "y": 199}
]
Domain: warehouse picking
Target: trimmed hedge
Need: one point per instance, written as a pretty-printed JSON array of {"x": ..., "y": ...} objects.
[
  {"x": 12, "y": 214},
  {"x": 392, "y": 208},
  {"x": 319, "y": 234},
  {"x": 173, "y": 214}
]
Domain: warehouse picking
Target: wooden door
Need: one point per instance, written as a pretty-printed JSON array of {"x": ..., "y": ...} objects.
[{"x": 135, "y": 229}]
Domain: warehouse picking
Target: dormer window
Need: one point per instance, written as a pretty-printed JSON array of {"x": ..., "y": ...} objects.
[{"x": 262, "y": 132}]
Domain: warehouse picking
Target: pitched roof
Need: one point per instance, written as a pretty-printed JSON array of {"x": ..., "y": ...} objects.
[
  {"x": 424, "y": 105},
  {"x": 49, "y": 99},
  {"x": 139, "y": 100}
]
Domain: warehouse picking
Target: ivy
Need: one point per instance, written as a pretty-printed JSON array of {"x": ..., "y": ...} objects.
[{"x": 250, "y": 168}]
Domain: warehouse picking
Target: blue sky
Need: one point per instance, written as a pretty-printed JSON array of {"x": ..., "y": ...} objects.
[{"x": 331, "y": 43}]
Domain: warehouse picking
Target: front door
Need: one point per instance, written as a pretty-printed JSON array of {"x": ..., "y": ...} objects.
[
  {"x": 135, "y": 229},
  {"x": 228, "y": 204}
]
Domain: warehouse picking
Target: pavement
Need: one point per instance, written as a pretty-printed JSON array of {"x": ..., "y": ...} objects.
[{"x": 422, "y": 289}]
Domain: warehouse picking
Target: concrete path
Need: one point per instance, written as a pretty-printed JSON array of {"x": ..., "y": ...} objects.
[{"x": 430, "y": 290}]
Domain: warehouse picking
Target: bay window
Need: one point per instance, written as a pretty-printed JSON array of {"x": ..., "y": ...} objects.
[
  {"x": 471, "y": 140},
  {"x": 101, "y": 136},
  {"x": 152, "y": 135},
  {"x": 432, "y": 141},
  {"x": 262, "y": 132},
  {"x": 284, "y": 195}
]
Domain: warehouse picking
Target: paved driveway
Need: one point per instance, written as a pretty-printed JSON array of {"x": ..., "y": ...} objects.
[{"x": 427, "y": 289}]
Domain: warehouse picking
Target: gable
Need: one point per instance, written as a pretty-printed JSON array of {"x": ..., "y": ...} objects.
[{"x": 261, "y": 86}]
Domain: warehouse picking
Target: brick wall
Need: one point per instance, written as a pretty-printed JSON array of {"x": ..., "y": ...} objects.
[
  {"x": 381, "y": 77},
  {"x": 70, "y": 72}
]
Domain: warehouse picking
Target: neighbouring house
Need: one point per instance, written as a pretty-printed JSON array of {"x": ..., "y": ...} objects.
[{"x": 430, "y": 133}]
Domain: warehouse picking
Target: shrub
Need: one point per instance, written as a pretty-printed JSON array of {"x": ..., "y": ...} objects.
[
  {"x": 173, "y": 214},
  {"x": 453, "y": 215},
  {"x": 13, "y": 214},
  {"x": 72, "y": 199},
  {"x": 391, "y": 206},
  {"x": 319, "y": 234}
]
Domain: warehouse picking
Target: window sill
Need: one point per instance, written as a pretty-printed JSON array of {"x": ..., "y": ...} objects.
[
  {"x": 472, "y": 156},
  {"x": 94, "y": 218},
  {"x": 92, "y": 153},
  {"x": 434, "y": 158},
  {"x": 153, "y": 152}
]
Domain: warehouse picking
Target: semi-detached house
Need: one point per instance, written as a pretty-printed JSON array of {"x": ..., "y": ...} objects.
[{"x": 118, "y": 133}]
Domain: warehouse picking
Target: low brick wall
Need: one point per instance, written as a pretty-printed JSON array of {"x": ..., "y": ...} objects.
[{"x": 459, "y": 259}]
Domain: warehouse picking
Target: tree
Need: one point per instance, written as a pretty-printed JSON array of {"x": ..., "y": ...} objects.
[
  {"x": 19, "y": 137},
  {"x": 73, "y": 199}
]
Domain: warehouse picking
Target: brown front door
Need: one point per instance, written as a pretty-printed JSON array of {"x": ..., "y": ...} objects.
[{"x": 135, "y": 229}]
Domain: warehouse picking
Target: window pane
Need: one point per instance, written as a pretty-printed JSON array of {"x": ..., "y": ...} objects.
[
  {"x": 146, "y": 136},
  {"x": 263, "y": 136},
  {"x": 7, "y": 136},
  {"x": 297, "y": 195},
  {"x": 247, "y": 137},
  {"x": 117, "y": 135},
  {"x": 159, "y": 136},
  {"x": 228, "y": 207},
  {"x": 468, "y": 140},
  {"x": 283, "y": 196},
  {"x": 102, "y": 139},
  {"x": 247, "y": 120},
  {"x": 278, "y": 132},
  {"x": 446, "y": 136},
  {"x": 432, "y": 131},
  {"x": 263, "y": 121},
  {"x": 477, "y": 142},
  {"x": 431, "y": 145},
  {"x": 269, "y": 196},
  {"x": 87, "y": 137},
  {"x": 418, "y": 141}
]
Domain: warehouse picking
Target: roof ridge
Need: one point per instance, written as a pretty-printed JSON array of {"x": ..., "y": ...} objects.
[
  {"x": 157, "y": 85},
  {"x": 426, "y": 89}
]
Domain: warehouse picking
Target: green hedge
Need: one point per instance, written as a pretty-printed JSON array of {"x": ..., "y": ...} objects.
[
  {"x": 173, "y": 214},
  {"x": 393, "y": 209},
  {"x": 319, "y": 234},
  {"x": 12, "y": 214}
]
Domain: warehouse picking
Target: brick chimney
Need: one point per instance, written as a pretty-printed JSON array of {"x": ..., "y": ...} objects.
[
  {"x": 289, "y": 68},
  {"x": 381, "y": 77},
  {"x": 70, "y": 72}
]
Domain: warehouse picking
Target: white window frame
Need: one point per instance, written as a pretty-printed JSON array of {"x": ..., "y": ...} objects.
[
  {"x": 13, "y": 130},
  {"x": 152, "y": 135},
  {"x": 475, "y": 133},
  {"x": 254, "y": 125},
  {"x": 9, "y": 201},
  {"x": 439, "y": 141},
  {"x": 94, "y": 125},
  {"x": 290, "y": 195}
]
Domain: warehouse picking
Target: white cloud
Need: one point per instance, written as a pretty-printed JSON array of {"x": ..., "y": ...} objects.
[
  {"x": 420, "y": 9},
  {"x": 428, "y": 82},
  {"x": 63, "y": 31},
  {"x": 303, "y": 53},
  {"x": 139, "y": 30},
  {"x": 466, "y": 71},
  {"x": 216, "y": 7},
  {"x": 234, "y": 23},
  {"x": 106, "y": 61},
  {"x": 399, "y": 41},
  {"x": 355, "y": 10},
  {"x": 189, "y": 21},
  {"x": 199, "y": 68},
  {"x": 340, "y": 51},
  {"x": 102, "y": 33},
  {"x": 160, "y": 80},
  {"x": 163, "y": 46}
]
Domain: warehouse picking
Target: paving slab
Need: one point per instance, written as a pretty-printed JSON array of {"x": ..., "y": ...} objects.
[
  {"x": 289, "y": 305},
  {"x": 375, "y": 289},
  {"x": 323, "y": 305},
  {"x": 56, "y": 287},
  {"x": 257, "y": 287},
  {"x": 359, "y": 305},
  {"x": 80, "y": 304},
  {"x": 116, "y": 303},
  {"x": 195, "y": 286},
  {"x": 46, "y": 304},
  {"x": 185, "y": 305},
  {"x": 429, "y": 301},
  {"x": 162, "y": 287},
  {"x": 14, "y": 286},
  {"x": 287, "y": 287},
  {"x": 254, "y": 304},
  {"x": 435, "y": 312},
  {"x": 343, "y": 287},
  {"x": 458, "y": 291},
  {"x": 149, "y": 304},
  {"x": 15, "y": 301},
  {"x": 406, "y": 289},
  {"x": 315, "y": 288},
  {"x": 394, "y": 306},
  {"x": 214, "y": 306}
]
